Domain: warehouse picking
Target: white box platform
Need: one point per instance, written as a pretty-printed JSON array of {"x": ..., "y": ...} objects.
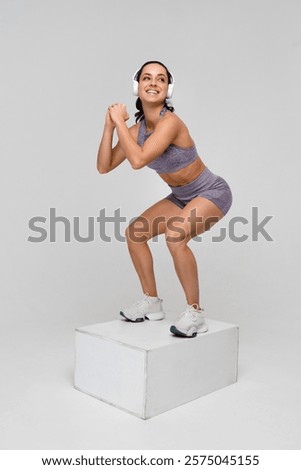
[{"x": 145, "y": 370}]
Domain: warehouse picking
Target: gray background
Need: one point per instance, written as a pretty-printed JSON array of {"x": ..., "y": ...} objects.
[{"x": 237, "y": 70}]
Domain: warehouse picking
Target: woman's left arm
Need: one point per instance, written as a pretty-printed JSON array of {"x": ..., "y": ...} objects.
[{"x": 165, "y": 132}]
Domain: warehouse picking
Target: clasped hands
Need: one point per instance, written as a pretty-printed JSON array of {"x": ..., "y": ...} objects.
[{"x": 117, "y": 113}]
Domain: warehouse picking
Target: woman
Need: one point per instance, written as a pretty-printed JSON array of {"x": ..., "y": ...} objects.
[{"x": 198, "y": 198}]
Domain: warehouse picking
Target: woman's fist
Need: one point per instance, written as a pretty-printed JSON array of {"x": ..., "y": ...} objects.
[
  {"x": 109, "y": 121},
  {"x": 118, "y": 112}
]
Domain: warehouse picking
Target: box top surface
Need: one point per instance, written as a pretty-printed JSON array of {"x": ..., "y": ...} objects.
[{"x": 146, "y": 335}]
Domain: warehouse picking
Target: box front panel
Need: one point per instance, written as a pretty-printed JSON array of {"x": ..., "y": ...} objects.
[{"x": 111, "y": 372}]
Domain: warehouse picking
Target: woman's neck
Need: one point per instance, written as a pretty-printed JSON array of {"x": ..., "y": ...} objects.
[{"x": 152, "y": 116}]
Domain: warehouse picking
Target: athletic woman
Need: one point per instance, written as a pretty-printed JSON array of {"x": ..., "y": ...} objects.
[{"x": 198, "y": 198}]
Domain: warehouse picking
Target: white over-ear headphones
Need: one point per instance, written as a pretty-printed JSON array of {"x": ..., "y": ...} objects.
[{"x": 169, "y": 90}]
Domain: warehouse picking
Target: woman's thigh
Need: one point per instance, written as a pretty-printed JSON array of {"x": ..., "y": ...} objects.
[
  {"x": 153, "y": 221},
  {"x": 198, "y": 216}
]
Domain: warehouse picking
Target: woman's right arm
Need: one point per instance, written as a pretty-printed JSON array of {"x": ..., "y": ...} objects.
[{"x": 109, "y": 158}]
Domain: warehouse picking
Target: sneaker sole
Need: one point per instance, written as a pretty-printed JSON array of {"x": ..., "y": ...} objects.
[
  {"x": 175, "y": 331},
  {"x": 133, "y": 321},
  {"x": 155, "y": 316},
  {"x": 149, "y": 316}
]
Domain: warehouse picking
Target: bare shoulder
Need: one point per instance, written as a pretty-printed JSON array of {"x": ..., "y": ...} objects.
[
  {"x": 173, "y": 120},
  {"x": 181, "y": 135}
]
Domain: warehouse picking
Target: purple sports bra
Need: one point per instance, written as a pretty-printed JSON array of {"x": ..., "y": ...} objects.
[{"x": 174, "y": 158}]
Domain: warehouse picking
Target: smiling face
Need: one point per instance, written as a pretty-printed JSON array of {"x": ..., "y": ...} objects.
[{"x": 153, "y": 83}]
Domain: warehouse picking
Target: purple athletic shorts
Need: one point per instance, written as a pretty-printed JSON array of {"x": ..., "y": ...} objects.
[{"x": 207, "y": 185}]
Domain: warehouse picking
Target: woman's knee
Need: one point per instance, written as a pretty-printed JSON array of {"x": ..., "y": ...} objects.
[
  {"x": 137, "y": 231},
  {"x": 176, "y": 239}
]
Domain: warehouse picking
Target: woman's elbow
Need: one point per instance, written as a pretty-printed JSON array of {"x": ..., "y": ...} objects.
[
  {"x": 137, "y": 165},
  {"x": 102, "y": 170}
]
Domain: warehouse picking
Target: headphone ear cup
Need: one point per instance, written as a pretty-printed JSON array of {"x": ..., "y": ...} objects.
[
  {"x": 170, "y": 90},
  {"x": 135, "y": 87},
  {"x": 135, "y": 83}
]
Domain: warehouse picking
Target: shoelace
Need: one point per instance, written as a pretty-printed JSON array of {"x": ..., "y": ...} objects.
[
  {"x": 145, "y": 299},
  {"x": 191, "y": 311},
  {"x": 140, "y": 302}
]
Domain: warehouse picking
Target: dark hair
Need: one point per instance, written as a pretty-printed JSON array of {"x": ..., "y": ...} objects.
[{"x": 140, "y": 113}]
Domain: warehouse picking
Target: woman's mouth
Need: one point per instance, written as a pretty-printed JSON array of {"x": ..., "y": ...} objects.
[{"x": 152, "y": 92}]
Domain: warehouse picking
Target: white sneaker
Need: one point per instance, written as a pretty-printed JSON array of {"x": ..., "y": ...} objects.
[
  {"x": 190, "y": 323},
  {"x": 148, "y": 308}
]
